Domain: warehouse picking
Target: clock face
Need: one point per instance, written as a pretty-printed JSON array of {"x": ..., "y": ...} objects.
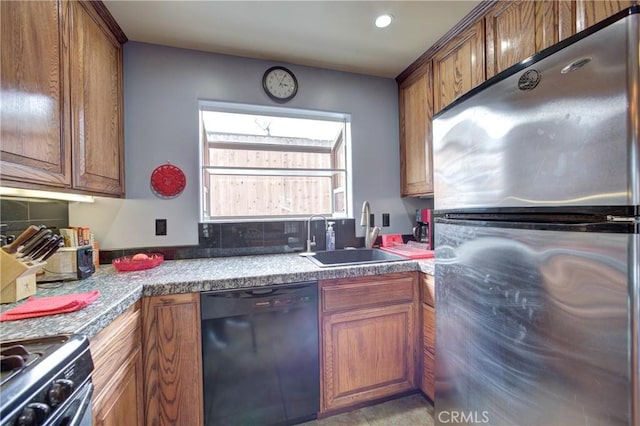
[{"x": 280, "y": 84}]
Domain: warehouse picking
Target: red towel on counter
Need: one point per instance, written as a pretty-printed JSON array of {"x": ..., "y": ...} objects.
[{"x": 42, "y": 306}]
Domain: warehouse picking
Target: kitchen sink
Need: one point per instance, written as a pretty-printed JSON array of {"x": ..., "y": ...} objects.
[{"x": 353, "y": 257}]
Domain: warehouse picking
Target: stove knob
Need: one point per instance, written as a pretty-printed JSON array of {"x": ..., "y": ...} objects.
[
  {"x": 34, "y": 414},
  {"x": 60, "y": 390}
]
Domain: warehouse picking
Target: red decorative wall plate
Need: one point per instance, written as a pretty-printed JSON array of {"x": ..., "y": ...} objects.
[{"x": 168, "y": 181}]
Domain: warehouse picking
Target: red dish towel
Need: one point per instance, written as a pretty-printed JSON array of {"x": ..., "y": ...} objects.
[{"x": 42, "y": 306}]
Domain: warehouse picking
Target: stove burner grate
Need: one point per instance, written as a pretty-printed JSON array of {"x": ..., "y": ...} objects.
[{"x": 13, "y": 359}]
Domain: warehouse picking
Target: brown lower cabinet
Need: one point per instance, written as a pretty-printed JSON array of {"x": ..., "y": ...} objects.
[
  {"x": 118, "y": 376},
  {"x": 172, "y": 360},
  {"x": 148, "y": 365},
  {"x": 427, "y": 297},
  {"x": 368, "y": 339}
]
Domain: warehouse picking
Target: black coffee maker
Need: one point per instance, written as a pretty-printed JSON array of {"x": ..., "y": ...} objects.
[{"x": 422, "y": 232}]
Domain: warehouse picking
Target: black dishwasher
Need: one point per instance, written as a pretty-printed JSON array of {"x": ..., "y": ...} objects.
[{"x": 260, "y": 355}]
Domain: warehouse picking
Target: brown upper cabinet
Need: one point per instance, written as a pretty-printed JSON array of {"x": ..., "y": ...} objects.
[
  {"x": 62, "y": 125},
  {"x": 459, "y": 66},
  {"x": 490, "y": 39},
  {"x": 34, "y": 121},
  {"x": 517, "y": 30},
  {"x": 416, "y": 108},
  {"x": 96, "y": 104},
  {"x": 589, "y": 12}
]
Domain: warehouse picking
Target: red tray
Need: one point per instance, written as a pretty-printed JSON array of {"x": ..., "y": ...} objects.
[{"x": 126, "y": 263}]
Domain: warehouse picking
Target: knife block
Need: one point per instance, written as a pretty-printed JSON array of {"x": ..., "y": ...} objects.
[{"x": 17, "y": 279}]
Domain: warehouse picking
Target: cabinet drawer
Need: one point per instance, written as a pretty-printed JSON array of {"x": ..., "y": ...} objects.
[
  {"x": 428, "y": 290},
  {"x": 429, "y": 328},
  {"x": 428, "y": 374},
  {"x": 367, "y": 291},
  {"x": 112, "y": 346}
]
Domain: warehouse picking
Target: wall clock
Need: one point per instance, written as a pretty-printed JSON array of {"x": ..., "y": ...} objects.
[{"x": 280, "y": 84}]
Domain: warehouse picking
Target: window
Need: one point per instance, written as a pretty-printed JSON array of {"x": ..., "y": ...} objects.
[{"x": 267, "y": 162}]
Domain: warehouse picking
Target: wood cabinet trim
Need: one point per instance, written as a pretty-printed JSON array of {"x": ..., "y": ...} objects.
[
  {"x": 470, "y": 19},
  {"x": 428, "y": 290},
  {"x": 416, "y": 75},
  {"x": 109, "y": 21},
  {"x": 428, "y": 374},
  {"x": 429, "y": 328}
]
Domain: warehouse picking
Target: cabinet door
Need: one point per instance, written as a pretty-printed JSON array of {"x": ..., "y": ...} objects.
[
  {"x": 96, "y": 99},
  {"x": 577, "y": 15},
  {"x": 117, "y": 376},
  {"x": 36, "y": 147},
  {"x": 517, "y": 30},
  {"x": 122, "y": 404},
  {"x": 173, "y": 360},
  {"x": 416, "y": 110},
  {"x": 459, "y": 66},
  {"x": 367, "y": 354},
  {"x": 589, "y": 12}
]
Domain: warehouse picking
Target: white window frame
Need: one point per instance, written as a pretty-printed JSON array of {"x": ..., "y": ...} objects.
[{"x": 217, "y": 106}]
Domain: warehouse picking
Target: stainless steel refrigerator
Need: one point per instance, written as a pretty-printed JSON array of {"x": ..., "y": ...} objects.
[{"x": 537, "y": 198}]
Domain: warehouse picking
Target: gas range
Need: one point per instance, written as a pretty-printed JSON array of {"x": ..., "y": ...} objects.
[{"x": 46, "y": 381}]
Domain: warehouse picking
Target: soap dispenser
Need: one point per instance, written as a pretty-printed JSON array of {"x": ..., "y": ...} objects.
[{"x": 331, "y": 237}]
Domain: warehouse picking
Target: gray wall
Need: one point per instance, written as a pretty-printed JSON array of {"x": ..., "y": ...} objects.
[{"x": 162, "y": 88}]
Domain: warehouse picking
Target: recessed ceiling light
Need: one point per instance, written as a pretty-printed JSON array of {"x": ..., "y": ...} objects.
[{"x": 383, "y": 21}]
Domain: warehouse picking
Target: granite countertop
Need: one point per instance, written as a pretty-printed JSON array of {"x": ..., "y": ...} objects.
[{"x": 118, "y": 291}]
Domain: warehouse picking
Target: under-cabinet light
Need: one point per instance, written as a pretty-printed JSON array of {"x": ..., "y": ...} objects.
[{"x": 33, "y": 193}]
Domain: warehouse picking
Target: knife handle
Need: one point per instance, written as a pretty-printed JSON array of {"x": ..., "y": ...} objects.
[
  {"x": 42, "y": 248},
  {"x": 34, "y": 242},
  {"x": 22, "y": 238},
  {"x": 52, "y": 248}
]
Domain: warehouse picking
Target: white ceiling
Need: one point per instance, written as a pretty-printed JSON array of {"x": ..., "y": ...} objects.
[{"x": 338, "y": 35}]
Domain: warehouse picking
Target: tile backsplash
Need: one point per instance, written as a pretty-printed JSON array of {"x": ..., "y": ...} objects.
[
  {"x": 19, "y": 213},
  {"x": 279, "y": 236},
  {"x": 250, "y": 238}
]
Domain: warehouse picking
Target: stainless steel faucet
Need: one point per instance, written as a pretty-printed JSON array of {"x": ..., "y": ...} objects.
[
  {"x": 370, "y": 234},
  {"x": 311, "y": 243}
]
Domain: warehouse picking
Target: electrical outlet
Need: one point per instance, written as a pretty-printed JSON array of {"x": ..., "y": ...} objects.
[
  {"x": 161, "y": 226},
  {"x": 372, "y": 220},
  {"x": 385, "y": 219}
]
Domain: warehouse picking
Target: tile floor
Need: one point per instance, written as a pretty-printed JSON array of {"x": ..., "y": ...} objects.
[{"x": 410, "y": 410}]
